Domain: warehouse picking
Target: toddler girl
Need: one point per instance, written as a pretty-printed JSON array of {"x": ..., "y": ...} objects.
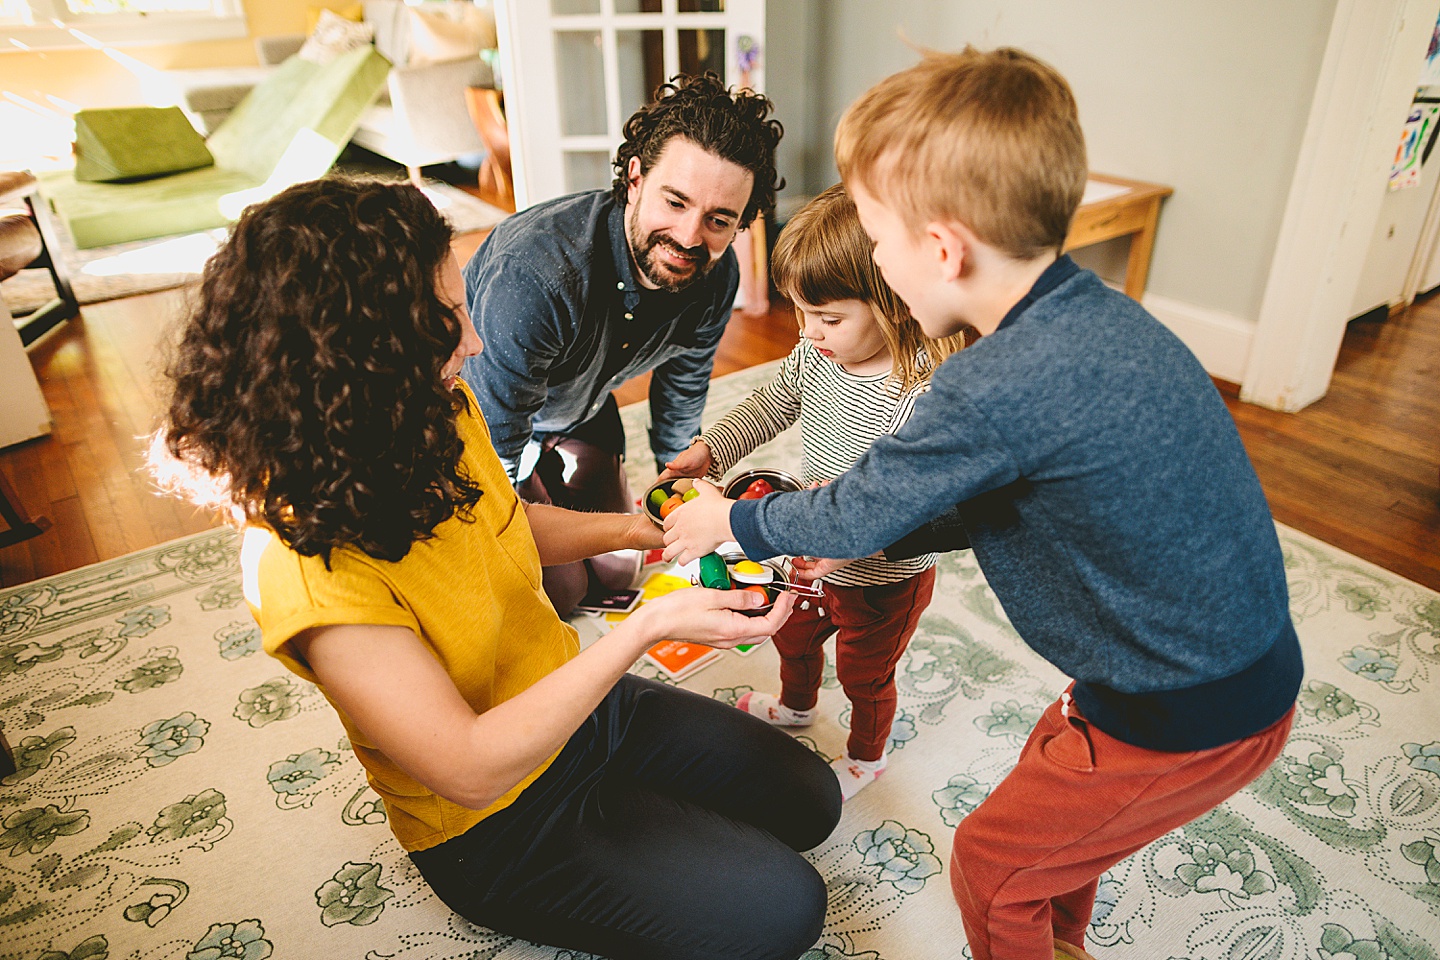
[{"x": 854, "y": 376}]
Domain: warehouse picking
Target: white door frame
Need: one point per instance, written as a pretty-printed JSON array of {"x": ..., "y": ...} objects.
[
  {"x": 526, "y": 30},
  {"x": 1367, "y": 80}
]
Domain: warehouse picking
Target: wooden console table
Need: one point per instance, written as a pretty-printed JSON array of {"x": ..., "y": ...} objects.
[{"x": 1123, "y": 208}]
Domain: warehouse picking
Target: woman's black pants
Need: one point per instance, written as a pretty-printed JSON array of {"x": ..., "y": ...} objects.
[{"x": 666, "y": 829}]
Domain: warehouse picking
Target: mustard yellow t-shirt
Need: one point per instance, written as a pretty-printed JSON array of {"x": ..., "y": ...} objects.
[{"x": 472, "y": 595}]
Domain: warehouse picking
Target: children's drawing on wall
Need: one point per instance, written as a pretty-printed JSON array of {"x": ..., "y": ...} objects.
[
  {"x": 747, "y": 58},
  {"x": 1431, "y": 73},
  {"x": 1415, "y": 140}
]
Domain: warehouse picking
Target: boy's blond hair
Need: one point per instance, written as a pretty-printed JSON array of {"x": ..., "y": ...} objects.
[
  {"x": 989, "y": 139},
  {"x": 823, "y": 255}
]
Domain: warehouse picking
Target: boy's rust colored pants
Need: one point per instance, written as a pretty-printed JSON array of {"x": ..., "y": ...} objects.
[
  {"x": 873, "y": 625},
  {"x": 1025, "y": 864}
]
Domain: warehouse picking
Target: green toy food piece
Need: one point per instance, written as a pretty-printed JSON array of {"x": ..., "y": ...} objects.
[
  {"x": 658, "y": 496},
  {"x": 690, "y": 494},
  {"x": 713, "y": 573}
]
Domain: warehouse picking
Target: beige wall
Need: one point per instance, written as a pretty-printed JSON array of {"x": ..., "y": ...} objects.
[
  {"x": 90, "y": 78},
  {"x": 1210, "y": 98}
]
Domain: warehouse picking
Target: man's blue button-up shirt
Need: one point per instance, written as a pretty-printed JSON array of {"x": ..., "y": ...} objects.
[{"x": 564, "y": 321}]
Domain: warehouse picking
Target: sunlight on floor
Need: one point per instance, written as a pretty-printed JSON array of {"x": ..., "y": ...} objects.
[
  {"x": 185, "y": 254},
  {"x": 440, "y": 200}
]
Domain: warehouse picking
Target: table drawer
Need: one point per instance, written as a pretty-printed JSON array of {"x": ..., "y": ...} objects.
[{"x": 1105, "y": 220}]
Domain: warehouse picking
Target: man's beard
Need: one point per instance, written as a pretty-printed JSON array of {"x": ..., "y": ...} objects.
[{"x": 646, "y": 253}]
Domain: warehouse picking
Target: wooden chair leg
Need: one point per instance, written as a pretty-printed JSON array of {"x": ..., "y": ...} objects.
[
  {"x": 21, "y": 526},
  {"x": 7, "y": 757},
  {"x": 65, "y": 305}
]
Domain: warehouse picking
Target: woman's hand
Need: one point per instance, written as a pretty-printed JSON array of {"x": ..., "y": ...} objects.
[
  {"x": 696, "y": 461},
  {"x": 711, "y": 617},
  {"x": 642, "y": 534},
  {"x": 696, "y": 528}
]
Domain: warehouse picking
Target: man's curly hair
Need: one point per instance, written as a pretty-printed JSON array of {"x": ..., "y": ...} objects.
[
  {"x": 305, "y": 386},
  {"x": 731, "y": 124}
]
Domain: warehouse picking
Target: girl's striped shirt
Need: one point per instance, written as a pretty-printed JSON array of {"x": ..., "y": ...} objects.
[{"x": 840, "y": 416}]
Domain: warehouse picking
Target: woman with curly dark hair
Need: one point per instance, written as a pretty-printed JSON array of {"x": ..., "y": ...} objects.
[{"x": 541, "y": 790}]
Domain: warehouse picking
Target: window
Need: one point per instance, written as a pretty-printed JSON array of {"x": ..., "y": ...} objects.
[{"x": 31, "y": 24}]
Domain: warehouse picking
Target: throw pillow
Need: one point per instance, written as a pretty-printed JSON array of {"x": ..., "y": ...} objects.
[
  {"x": 462, "y": 30},
  {"x": 355, "y": 12},
  {"x": 132, "y": 143},
  {"x": 333, "y": 36}
]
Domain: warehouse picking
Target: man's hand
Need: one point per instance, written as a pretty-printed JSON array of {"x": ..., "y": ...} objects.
[
  {"x": 702, "y": 615},
  {"x": 696, "y": 528},
  {"x": 694, "y": 462}
]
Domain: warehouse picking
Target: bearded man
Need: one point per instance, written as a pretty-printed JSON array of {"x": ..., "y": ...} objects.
[{"x": 575, "y": 296}]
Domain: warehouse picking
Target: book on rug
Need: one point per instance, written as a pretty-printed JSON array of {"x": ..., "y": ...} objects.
[
  {"x": 678, "y": 659},
  {"x": 599, "y": 601}
]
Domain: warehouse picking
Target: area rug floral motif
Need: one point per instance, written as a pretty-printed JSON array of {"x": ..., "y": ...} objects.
[{"x": 180, "y": 796}]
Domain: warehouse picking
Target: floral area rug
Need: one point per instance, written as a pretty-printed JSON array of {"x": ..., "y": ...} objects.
[
  {"x": 180, "y": 796},
  {"x": 144, "y": 266}
]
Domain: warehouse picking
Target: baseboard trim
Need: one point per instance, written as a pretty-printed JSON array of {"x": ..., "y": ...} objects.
[{"x": 1221, "y": 340}]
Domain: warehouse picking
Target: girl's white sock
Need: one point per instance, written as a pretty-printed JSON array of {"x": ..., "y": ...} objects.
[
  {"x": 772, "y": 711},
  {"x": 855, "y": 774}
]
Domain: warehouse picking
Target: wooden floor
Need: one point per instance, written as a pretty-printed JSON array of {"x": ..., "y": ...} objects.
[{"x": 1358, "y": 469}]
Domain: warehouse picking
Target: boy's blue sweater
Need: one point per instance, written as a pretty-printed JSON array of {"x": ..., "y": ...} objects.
[{"x": 1110, "y": 504}]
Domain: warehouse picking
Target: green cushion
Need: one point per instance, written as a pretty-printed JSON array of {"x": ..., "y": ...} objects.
[
  {"x": 302, "y": 114},
  {"x": 132, "y": 143},
  {"x": 99, "y": 214}
]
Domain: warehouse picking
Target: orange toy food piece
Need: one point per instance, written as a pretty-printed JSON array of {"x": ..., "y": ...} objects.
[{"x": 668, "y": 507}]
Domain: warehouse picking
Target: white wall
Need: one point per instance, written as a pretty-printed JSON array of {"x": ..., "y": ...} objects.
[{"x": 1210, "y": 98}]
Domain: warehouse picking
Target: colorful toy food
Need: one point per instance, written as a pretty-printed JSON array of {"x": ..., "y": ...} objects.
[
  {"x": 683, "y": 485},
  {"x": 690, "y": 494},
  {"x": 757, "y": 489},
  {"x": 748, "y": 571},
  {"x": 713, "y": 572},
  {"x": 658, "y": 496},
  {"x": 668, "y": 507},
  {"x": 757, "y": 588}
]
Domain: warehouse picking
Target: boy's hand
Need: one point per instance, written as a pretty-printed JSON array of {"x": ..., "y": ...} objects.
[
  {"x": 694, "y": 462},
  {"x": 696, "y": 528},
  {"x": 701, "y": 615}
]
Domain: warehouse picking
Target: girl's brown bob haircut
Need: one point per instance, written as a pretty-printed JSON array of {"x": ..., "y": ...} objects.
[
  {"x": 989, "y": 139},
  {"x": 823, "y": 255}
]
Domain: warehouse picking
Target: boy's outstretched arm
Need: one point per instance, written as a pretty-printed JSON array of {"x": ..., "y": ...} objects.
[
  {"x": 940, "y": 535},
  {"x": 947, "y": 453}
]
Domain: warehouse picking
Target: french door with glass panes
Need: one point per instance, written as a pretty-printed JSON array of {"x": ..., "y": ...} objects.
[{"x": 575, "y": 70}]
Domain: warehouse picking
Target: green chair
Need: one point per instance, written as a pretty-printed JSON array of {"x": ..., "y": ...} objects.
[{"x": 291, "y": 128}]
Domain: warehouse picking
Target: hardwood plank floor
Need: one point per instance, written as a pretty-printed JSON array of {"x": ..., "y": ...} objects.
[{"x": 1359, "y": 469}]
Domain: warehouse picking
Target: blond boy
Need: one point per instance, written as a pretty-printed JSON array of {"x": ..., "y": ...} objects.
[{"x": 1084, "y": 454}]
